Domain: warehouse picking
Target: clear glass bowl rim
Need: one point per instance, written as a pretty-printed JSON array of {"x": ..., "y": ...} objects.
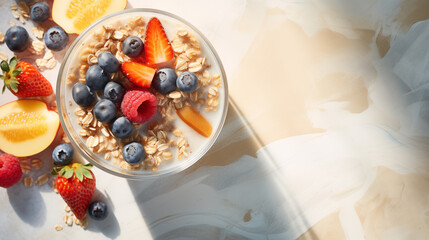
[{"x": 135, "y": 175}]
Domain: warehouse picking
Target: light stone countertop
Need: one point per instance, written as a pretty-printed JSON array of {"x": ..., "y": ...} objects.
[{"x": 326, "y": 137}]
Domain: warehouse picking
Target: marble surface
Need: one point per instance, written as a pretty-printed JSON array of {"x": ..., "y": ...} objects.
[{"x": 327, "y": 134}]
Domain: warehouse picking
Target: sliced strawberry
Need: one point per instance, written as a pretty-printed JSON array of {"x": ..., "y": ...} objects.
[
  {"x": 139, "y": 74},
  {"x": 157, "y": 47}
]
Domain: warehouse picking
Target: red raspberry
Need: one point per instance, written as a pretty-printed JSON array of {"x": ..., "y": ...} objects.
[
  {"x": 139, "y": 106},
  {"x": 10, "y": 170}
]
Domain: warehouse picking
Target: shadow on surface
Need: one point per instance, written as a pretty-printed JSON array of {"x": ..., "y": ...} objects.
[
  {"x": 233, "y": 192},
  {"x": 109, "y": 226},
  {"x": 28, "y": 204}
]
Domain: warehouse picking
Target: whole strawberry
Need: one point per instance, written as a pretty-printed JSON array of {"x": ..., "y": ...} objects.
[
  {"x": 10, "y": 170},
  {"x": 76, "y": 185},
  {"x": 23, "y": 79}
]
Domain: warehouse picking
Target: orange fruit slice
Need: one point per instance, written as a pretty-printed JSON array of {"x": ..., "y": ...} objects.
[
  {"x": 76, "y": 15},
  {"x": 195, "y": 120},
  {"x": 27, "y": 127}
]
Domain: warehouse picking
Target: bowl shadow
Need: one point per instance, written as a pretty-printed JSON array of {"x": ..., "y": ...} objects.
[{"x": 212, "y": 198}]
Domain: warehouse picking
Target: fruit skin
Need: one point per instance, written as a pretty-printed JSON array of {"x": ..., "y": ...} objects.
[
  {"x": 62, "y": 154},
  {"x": 157, "y": 46},
  {"x": 96, "y": 78},
  {"x": 195, "y": 120},
  {"x": 17, "y": 39},
  {"x": 139, "y": 74},
  {"x": 139, "y": 105},
  {"x": 132, "y": 46},
  {"x": 39, "y": 12},
  {"x": 105, "y": 110},
  {"x": 98, "y": 210},
  {"x": 56, "y": 38},
  {"x": 76, "y": 185},
  {"x": 114, "y": 92},
  {"x": 24, "y": 80},
  {"x": 187, "y": 82},
  {"x": 31, "y": 144},
  {"x": 165, "y": 80},
  {"x": 82, "y": 95},
  {"x": 10, "y": 170},
  {"x": 133, "y": 153},
  {"x": 108, "y": 62},
  {"x": 122, "y": 127}
]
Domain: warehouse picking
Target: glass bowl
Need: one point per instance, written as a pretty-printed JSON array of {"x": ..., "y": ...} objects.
[{"x": 66, "y": 106}]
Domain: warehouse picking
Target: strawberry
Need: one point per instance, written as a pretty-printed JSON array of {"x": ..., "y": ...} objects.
[
  {"x": 76, "y": 185},
  {"x": 23, "y": 79},
  {"x": 139, "y": 74},
  {"x": 157, "y": 47}
]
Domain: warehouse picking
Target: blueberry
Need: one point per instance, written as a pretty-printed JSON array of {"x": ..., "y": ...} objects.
[
  {"x": 17, "y": 39},
  {"x": 105, "y": 110},
  {"x": 132, "y": 46},
  {"x": 133, "y": 153},
  {"x": 39, "y": 12},
  {"x": 165, "y": 80},
  {"x": 114, "y": 92},
  {"x": 55, "y": 38},
  {"x": 187, "y": 82},
  {"x": 122, "y": 127},
  {"x": 108, "y": 62},
  {"x": 82, "y": 95},
  {"x": 97, "y": 210},
  {"x": 96, "y": 78},
  {"x": 62, "y": 154}
]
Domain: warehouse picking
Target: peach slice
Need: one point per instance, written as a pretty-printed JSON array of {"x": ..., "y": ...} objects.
[
  {"x": 27, "y": 127},
  {"x": 76, "y": 15},
  {"x": 195, "y": 120}
]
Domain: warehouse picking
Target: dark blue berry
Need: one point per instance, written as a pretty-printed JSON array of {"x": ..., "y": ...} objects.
[
  {"x": 114, "y": 91},
  {"x": 108, "y": 62},
  {"x": 96, "y": 78},
  {"x": 97, "y": 210},
  {"x": 187, "y": 82},
  {"x": 122, "y": 127},
  {"x": 55, "y": 38},
  {"x": 82, "y": 95},
  {"x": 17, "y": 39},
  {"x": 39, "y": 12},
  {"x": 165, "y": 80},
  {"x": 105, "y": 111},
  {"x": 132, "y": 46},
  {"x": 62, "y": 154},
  {"x": 133, "y": 153}
]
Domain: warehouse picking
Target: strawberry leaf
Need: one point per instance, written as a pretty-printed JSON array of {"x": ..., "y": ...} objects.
[
  {"x": 4, "y": 66},
  {"x": 87, "y": 166},
  {"x": 13, "y": 87},
  {"x": 4, "y": 88},
  {"x": 12, "y": 62},
  {"x": 86, "y": 173},
  {"x": 67, "y": 172},
  {"x": 79, "y": 175},
  {"x": 16, "y": 72}
]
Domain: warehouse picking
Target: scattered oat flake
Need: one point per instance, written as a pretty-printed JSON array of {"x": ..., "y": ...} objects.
[
  {"x": 28, "y": 181},
  {"x": 1, "y": 37},
  {"x": 42, "y": 179},
  {"x": 3, "y": 56},
  {"x": 11, "y": 23},
  {"x": 38, "y": 32},
  {"x": 58, "y": 227},
  {"x": 13, "y": 6}
]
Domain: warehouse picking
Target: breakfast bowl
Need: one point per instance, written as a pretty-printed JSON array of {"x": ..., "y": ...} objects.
[{"x": 186, "y": 122}]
